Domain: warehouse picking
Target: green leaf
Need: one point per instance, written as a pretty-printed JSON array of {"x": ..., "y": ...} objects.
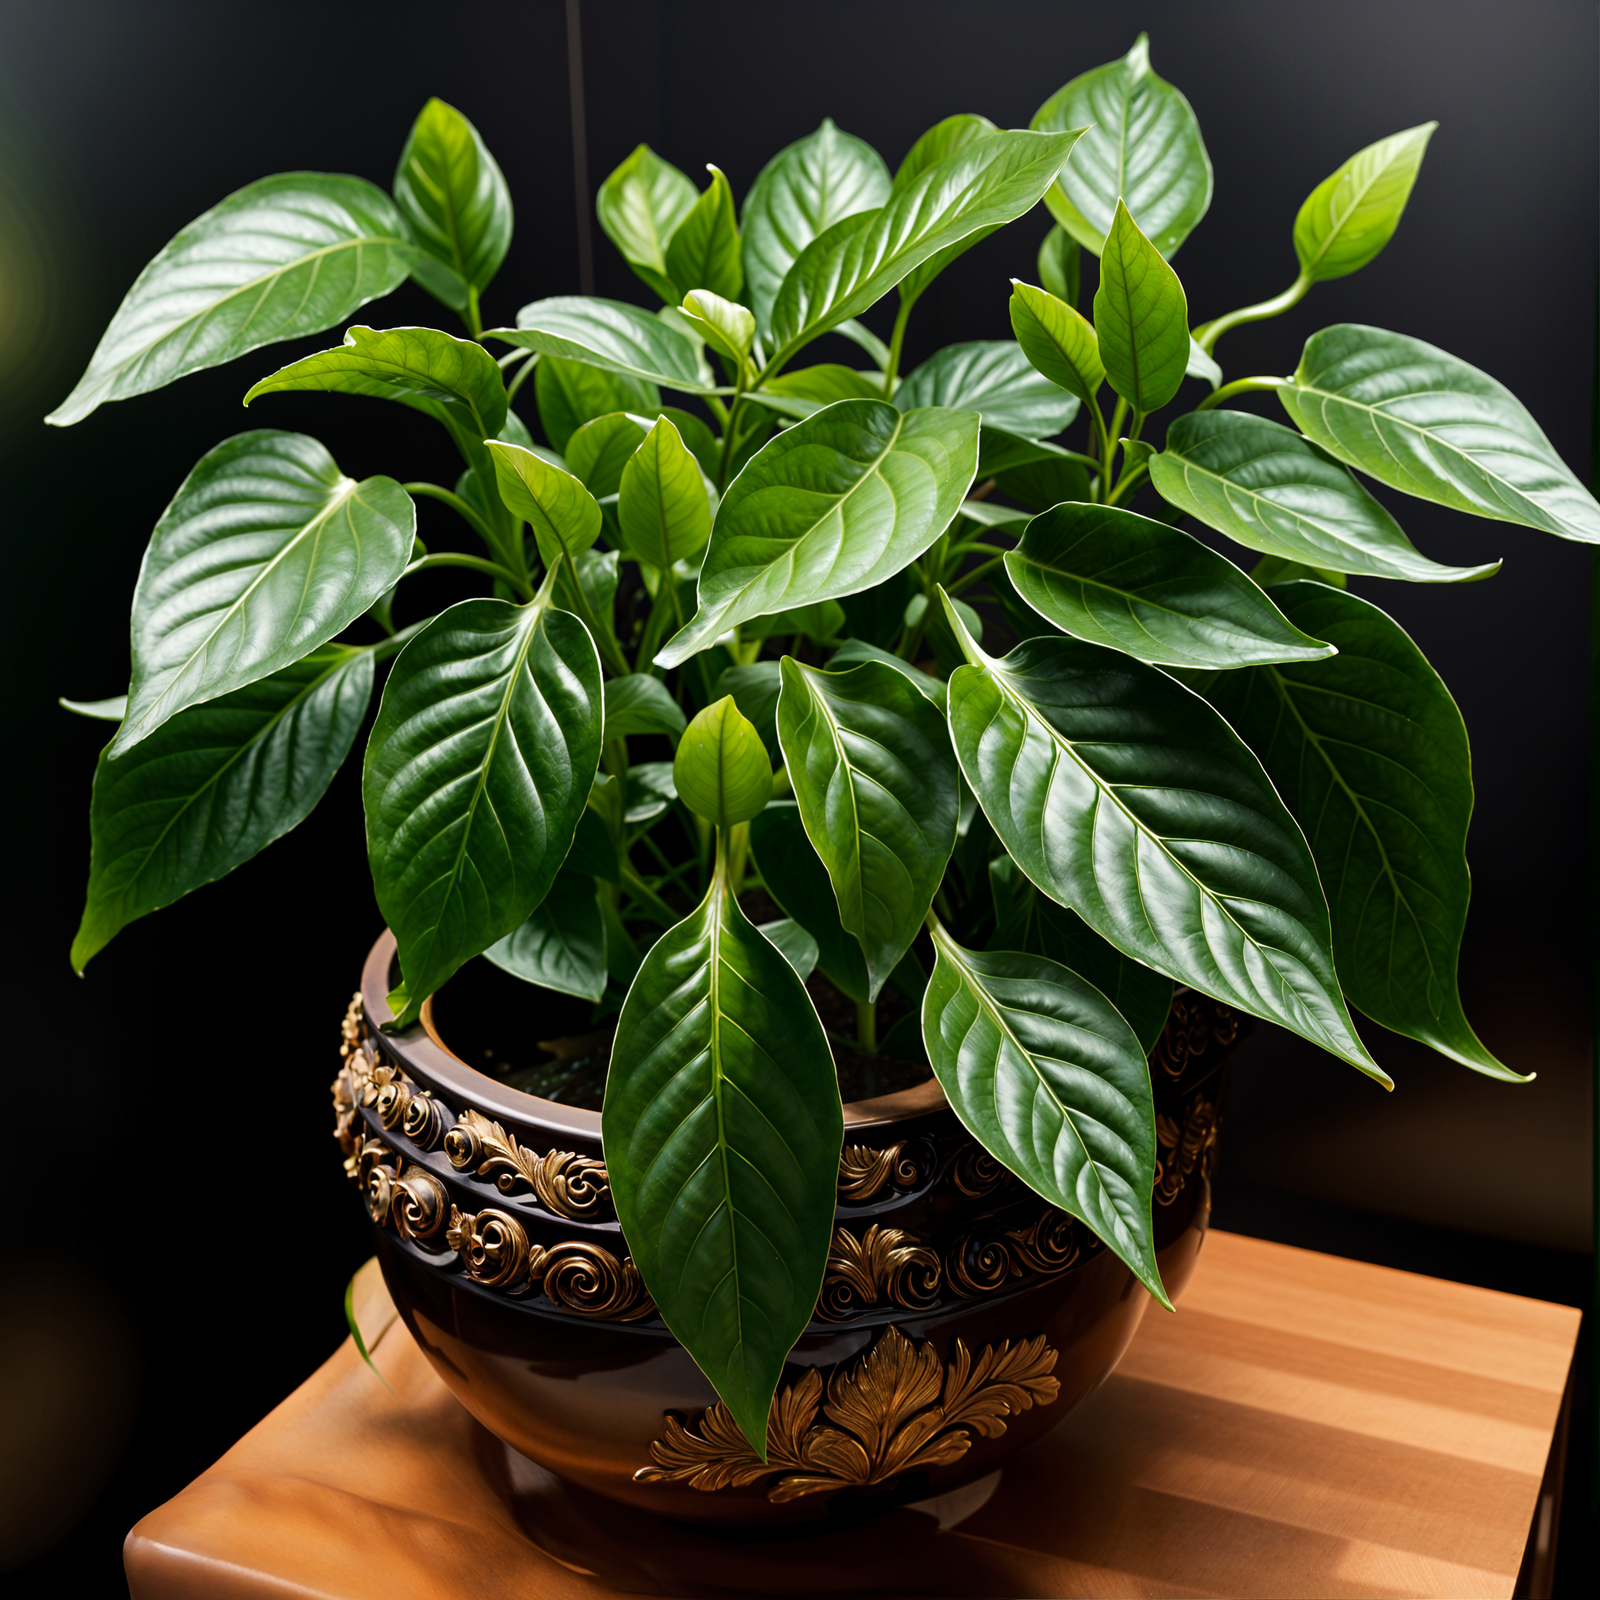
[
  {"x": 571, "y": 393},
  {"x": 562, "y": 945},
  {"x": 640, "y": 206},
  {"x": 1141, "y": 318},
  {"x": 858, "y": 261},
  {"x": 854, "y": 651},
  {"x": 1200, "y": 365},
  {"x": 725, "y": 325},
  {"x": 1274, "y": 569},
  {"x": 796, "y": 946},
  {"x": 798, "y": 881},
  {"x": 113, "y": 709},
  {"x": 722, "y": 1129},
  {"x": 1046, "y": 483},
  {"x": 564, "y": 516},
  {"x": 414, "y": 360},
  {"x": 1424, "y": 422},
  {"x": 992, "y": 377},
  {"x": 1271, "y": 490},
  {"x": 594, "y": 852},
  {"x": 999, "y": 452},
  {"x": 1351, "y": 215},
  {"x": 755, "y": 691},
  {"x": 1142, "y": 146},
  {"x": 1059, "y": 264},
  {"x": 704, "y": 250},
  {"x": 613, "y": 336},
  {"x": 663, "y": 511},
  {"x": 599, "y": 451},
  {"x": 639, "y": 703},
  {"x": 452, "y": 192},
  {"x": 807, "y": 390},
  {"x": 1370, "y": 750},
  {"x": 830, "y": 507},
  {"x": 477, "y": 771},
  {"x": 875, "y": 779},
  {"x": 1126, "y": 799},
  {"x": 1050, "y": 1080},
  {"x": 1115, "y": 578},
  {"x": 266, "y": 552},
  {"x": 650, "y": 792},
  {"x": 942, "y": 140},
  {"x": 280, "y": 258},
  {"x": 215, "y": 785},
  {"x": 1060, "y": 344},
  {"x": 824, "y": 621},
  {"x": 721, "y": 771},
  {"x": 799, "y": 194},
  {"x": 697, "y": 436}
]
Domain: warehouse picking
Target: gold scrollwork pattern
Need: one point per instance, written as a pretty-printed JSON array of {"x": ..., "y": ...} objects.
[
  {"x": 976, "y": 1173},
  {"x": 865, "y": 1170},
  {"x": 1195, "y": 1025},
  {"x": 571, "y": 1186},
  {"x": 1185, "y": 1147},
  {"x": 883, "y": 1265},
  {"x": 585, "y": 1279},
  {"x": 979, "y": 1264},
  {"x": 895, "y": 1409}
]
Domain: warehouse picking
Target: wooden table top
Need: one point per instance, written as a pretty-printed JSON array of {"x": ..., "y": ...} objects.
[{"x": 1304, "y": 1425}]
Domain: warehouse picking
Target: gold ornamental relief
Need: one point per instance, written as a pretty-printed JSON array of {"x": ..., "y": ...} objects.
[
  {"x": 865, "y": 1170},
  {"x": 895, "y": 1409},
  {"x": 570, "y": 1185},
  {"x": 883, "y": 1265},
  {"x": 1185, "y": 1148},
  {"x": 1195, "y": 1025}
]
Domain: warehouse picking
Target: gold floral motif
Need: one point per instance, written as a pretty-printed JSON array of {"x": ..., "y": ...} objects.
[
  {"x": 569, "y": 1185},
  {"x": 893, "y": 1410},
  {"x": 1184, "y": 1148},
  {"x": 883, "y": 1264},
  {"x": 866, "y": 1170},
  {"x": 588, "y": 1280},
  {"x": 1049, "y": 1244},
  {"x": 493, "y": 1247},
  {"x": 1195, "y": 1025}
]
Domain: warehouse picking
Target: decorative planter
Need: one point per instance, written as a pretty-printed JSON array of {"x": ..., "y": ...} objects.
[{"x": 960, "y": 1316}]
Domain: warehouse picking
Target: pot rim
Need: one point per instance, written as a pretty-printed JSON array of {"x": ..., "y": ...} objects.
[{"x": 498, "y": 1100}]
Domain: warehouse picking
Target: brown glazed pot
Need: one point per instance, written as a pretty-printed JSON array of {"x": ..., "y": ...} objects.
[{"x": 960, "y": 1316}]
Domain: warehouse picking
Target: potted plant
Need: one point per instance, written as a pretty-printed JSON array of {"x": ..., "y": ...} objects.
[{"x": 721, "y": 766}]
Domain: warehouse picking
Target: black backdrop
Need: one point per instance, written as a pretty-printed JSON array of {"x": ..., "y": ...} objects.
[{"x": 181, "y": 1233}]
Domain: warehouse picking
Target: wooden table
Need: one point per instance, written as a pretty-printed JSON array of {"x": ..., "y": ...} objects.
[{"x": 1304, "y": 1425}]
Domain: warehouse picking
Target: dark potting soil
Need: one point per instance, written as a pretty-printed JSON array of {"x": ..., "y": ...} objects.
[{"x": 551, "y": 1045}]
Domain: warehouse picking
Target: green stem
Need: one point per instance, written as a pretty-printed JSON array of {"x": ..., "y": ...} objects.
[
  {"x": 1128, "y": 482},
  {"x": 896, "y": 339},
  {"x": 473, "y": 320},
  {"x": 648, "y": 898},
  {"x": 1207, "y": 337},
  {"x": 521, "y": 377},
  {"x": 395, "y": 643},
  {"x": 1240, "y": 386},
  {"x": 433, "y": 491},
  {"x": 1108, "y": 443},
  {"x": 977, "y": 575},
  {"x": 867, "y": 1026},
  {"x": 452, "y": 558}
]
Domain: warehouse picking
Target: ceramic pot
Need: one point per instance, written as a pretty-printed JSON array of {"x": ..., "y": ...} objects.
[{"x": 960, "y": 1316}]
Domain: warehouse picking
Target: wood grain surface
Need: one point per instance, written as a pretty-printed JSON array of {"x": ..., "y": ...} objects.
[{"x": 1303, "y": 1425}]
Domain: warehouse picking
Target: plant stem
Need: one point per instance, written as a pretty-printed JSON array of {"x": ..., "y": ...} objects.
[
  {"x": 432, "y": 491},
  {"x": 977, "y": 575},
  {"x": 521, "y": 377},
  {"x": 452, "y": 558},
  {"x": 1127, "y": 483},
  {"x": 648, "y": 898},
  {"x": 474, "y": 321},
  {"x": 1240, "y": 386},
  {"x": 396, "y": 642},
  {"x": 867, "y": 1026},
  {"x": 1207, "y": 337},
  {"x": 896, "y": 339}
]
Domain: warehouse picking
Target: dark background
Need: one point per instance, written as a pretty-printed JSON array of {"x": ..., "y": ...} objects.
[{"x": 181, "y": 1231}]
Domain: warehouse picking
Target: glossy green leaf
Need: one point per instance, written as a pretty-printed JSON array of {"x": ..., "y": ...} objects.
[
  {"x": 477, "y": 771},
  {"x": 663, "y": 511},
  {"x": 564, "y": 516},
  {"x": 796, "y": 878},
  {"x": 755, "y": 691},
  {"x": 800, "y": 193},
  {"x": 266, "y": 552},
  {"x": 639, "y": 703},
  {"x": 793, "y": 943},
  {"x": 831, "y": 506},
  {"x": 1060, "y": 261},
  {"x": 1272, "y": 490},
  {"x": 1352, "y": 214},
  {"x": 1060, "y": 344},
  {"x": 942, "y": 140},
  {"x": 1141, "y": 318},
  {"x": 721, "y": 770},
  {"x": 594, "y": 851},
  {"x": 451, "y": 191},
  {"x": 613, "y": 336},
  {"x": 994, "y": 378},
  {"x": 1045, "y": 483},
  {"x": 278, "y": 259},
  {"x": 416, "y": 360},
  {"x": 1370, "y": 751},
  {"x": 1423, "y": 421},
  {"x": 870, "y": 761},
  {"x": 1051, "y": 1081},
  {"x": 571, "y": 393},
  {"x": 724, "y": 324},
  {"x": 858, "y": 261},
  {"x": 703, "y": 252},
  {"x": 823, "y": 621},
  {"x": 807, "y": 390},
  {"x": 1142, "y": 146},
  {"x": 562, "y": 945},
  {"x": 722, "y": 1129},
  {"x": 649, "y": 792},
  {"x": 215, "y": 785},
  {"x": 1115, "y": 578},
  {"x": 640, "y": 207},
  {"x": 854, "y": 651},
  {"x": 1127, "y": 799},
  {"x": 112, "y": 709},
  {"x": 1200, "y": 365},
  {"x": 599, "y": 452}
]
